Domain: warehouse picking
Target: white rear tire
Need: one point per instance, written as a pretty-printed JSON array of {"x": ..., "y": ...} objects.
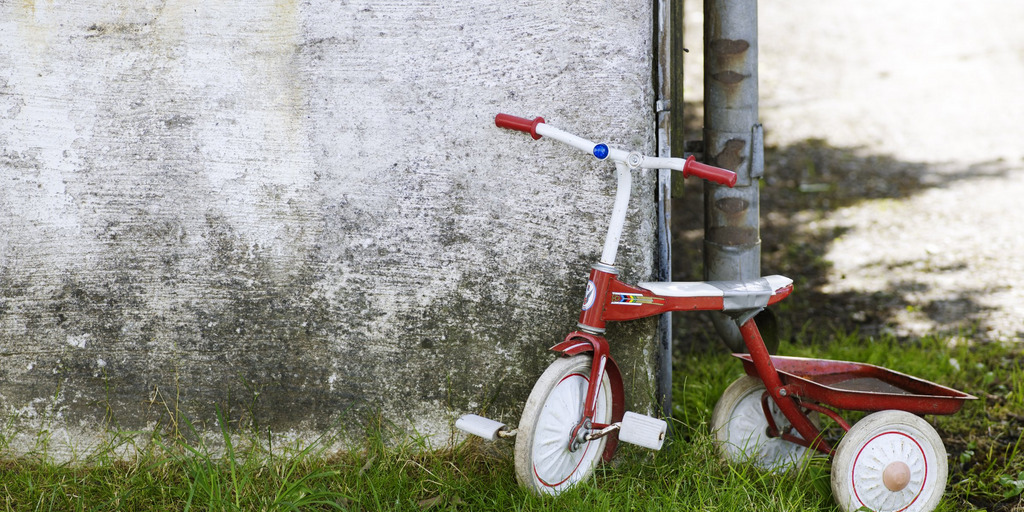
[
  {"x": 740, "y": 428},
  {"x": 890, "y": 460}
]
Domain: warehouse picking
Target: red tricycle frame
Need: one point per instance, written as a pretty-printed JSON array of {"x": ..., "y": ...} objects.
[
  {"x": 797, "y": 387},
  {"x": 608, "y": 299}
]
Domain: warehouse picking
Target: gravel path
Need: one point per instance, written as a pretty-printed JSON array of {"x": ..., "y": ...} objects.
[{"x": 932, "y": 92}]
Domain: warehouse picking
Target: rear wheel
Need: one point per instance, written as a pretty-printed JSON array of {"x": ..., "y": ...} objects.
[
  {"x": 544, "y": 462},
  {"x": 890, "y": 460},
  {"x": 740, "y": 427}
]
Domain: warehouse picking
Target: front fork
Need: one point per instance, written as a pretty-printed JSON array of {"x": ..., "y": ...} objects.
[
  {"x": 578, "y": 435},
  {"x": 585, "y": 429}
]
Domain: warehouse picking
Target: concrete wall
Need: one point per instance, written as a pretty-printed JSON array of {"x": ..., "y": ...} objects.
[{"x": 301, "y": 213}]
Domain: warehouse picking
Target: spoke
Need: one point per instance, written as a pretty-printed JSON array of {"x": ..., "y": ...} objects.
[
  {"x": 556, "y": 465},
  {"x": 553, "y": 422},
  {"x": 567, "y": 397},
  {"x": 875, "y": 457},
  {"x": 553, "y": 461},
  {"x": 747, "y": 425}
]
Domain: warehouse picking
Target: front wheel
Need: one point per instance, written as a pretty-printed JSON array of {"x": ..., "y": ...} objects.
[
  {"x": 890, "y": 460},
  {"x": 544, "y": 462}
]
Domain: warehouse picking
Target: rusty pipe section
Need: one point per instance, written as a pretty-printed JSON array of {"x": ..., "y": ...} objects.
[{"x": 733, "y": 140}]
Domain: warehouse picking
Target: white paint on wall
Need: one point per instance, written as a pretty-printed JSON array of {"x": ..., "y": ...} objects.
[{"x": 308, "y": 198}]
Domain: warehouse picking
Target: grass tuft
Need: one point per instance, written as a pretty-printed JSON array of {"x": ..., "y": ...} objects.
[{"x": 391, "y": 470}]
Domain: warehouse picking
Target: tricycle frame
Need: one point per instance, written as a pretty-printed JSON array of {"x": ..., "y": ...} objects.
[{"x": 797, "y": 387}]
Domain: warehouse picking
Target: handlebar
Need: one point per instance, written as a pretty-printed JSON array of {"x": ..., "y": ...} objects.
[
  {"x": 690, "y": 167},
  {"x": 708, "y": 172},
  {"x": 519, "y": 123}
]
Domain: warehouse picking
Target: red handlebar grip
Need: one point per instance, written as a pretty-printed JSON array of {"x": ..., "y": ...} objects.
[
  {"x": 709, "y": 172},
  {"x": 518, "y": 123}
]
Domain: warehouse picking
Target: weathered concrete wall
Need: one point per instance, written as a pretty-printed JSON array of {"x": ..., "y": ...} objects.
[{"x": 301, "y": 212}]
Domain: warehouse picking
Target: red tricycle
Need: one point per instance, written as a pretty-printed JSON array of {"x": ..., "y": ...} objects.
[{"x": 575, "y": 415}]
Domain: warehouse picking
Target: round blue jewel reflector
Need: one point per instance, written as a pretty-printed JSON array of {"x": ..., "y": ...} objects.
[{"x": 601, "y": 151}]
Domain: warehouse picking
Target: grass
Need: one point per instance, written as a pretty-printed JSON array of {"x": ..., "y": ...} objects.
[
  {"x": 394, "y": 471},
  {"x": 985, "y": 440},
  {"x": 381, "y": 476}
]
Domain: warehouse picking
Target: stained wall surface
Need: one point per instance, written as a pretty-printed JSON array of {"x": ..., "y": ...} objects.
[{"x": 300, "y": 213}]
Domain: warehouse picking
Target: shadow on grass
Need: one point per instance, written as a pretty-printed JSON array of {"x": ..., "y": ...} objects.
[{"x": 805, "y": 184}]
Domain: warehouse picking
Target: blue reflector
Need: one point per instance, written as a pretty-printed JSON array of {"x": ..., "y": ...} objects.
[{"x": 601, "y": 151}]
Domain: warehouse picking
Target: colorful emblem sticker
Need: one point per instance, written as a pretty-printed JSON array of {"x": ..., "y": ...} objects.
[
  {"x": 591, "y": 296},
  {"x": 633, "y": 299}
]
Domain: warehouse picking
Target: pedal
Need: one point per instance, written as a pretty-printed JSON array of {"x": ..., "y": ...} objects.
[
  {"x": 643, "y": 430},
  {"x": 483, "y": 427}
]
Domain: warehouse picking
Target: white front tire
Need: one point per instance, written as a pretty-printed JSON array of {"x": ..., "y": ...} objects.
[{"x": 544, "y": 463}]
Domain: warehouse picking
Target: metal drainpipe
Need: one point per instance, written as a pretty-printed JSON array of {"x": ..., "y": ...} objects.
[
  {"x": 663, "y": 84},
  {"x": 733, "y": 139}
]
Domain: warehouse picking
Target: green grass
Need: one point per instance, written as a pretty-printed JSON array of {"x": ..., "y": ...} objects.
[
  {"x": 985, "y": 440},
  {"x": 379, "y": 476},
  {"x": 394, "y": 471}
]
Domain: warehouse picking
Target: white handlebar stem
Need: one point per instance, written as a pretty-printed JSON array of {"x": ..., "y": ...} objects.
[
  {"x": 618, "y": 220},
  {"x": 623, "y": 164}
]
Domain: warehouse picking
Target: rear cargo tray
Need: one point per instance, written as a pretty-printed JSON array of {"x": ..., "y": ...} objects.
[{"x": 860, "y": 386}]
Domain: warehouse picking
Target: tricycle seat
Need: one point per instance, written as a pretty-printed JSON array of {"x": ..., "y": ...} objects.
[{"x": 736, "y": 295}]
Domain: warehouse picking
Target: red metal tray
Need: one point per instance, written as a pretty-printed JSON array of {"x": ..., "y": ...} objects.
[{"x": 861, "y": 387}]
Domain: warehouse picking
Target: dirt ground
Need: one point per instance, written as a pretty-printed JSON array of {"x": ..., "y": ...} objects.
[{"x": 895, "y": 163}]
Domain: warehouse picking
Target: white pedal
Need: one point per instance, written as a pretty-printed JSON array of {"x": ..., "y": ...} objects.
[
  {"x": 479, "y": 426},
  {"x": 643, "y": 430}
]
